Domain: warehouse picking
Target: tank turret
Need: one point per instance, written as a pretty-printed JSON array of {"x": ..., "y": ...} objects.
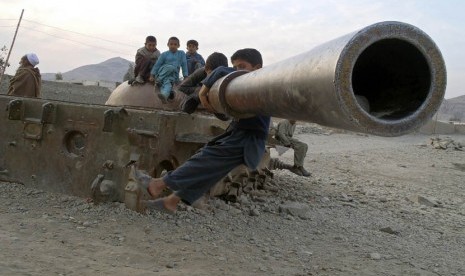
[{"x": 141, "y": 96}]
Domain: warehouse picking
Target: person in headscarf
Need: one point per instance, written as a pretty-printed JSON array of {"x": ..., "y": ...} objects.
[{"x": 27, "y": 81}]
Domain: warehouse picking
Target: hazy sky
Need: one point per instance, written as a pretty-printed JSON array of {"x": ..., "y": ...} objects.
[{"x": 69, "y": 34}]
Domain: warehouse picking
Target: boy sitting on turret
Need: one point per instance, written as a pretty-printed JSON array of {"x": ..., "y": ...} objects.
[
  {"x": 166, "y": 69},
  {"x": 146, "y": 57},
  {"x": 194, "y": 59}
]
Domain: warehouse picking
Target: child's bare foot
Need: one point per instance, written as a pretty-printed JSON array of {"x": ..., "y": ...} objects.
[
  {"x": 156, "y": 187},
  {"x": 166, "y": 205}
]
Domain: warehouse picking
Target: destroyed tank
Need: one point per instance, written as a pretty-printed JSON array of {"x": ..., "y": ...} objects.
[{"x": 386, "y": 79}]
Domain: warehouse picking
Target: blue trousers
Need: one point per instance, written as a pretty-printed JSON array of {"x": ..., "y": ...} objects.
[
  {"x": 203, "y": 170},
  {"x": 167, "y": 75}
]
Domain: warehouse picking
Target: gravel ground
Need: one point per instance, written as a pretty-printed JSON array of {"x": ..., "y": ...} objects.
[
  {"x": 69, "y": 92},
  {"x": 374, "y": 206}
]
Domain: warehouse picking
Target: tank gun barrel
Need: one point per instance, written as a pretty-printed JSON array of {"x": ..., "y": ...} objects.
[{"x": 386, "y": 79}]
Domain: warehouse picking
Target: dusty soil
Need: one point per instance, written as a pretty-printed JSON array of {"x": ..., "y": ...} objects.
[{"x": 374, "y": 206}]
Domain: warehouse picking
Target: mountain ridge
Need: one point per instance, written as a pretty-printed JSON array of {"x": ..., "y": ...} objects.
[
  {"x": 112, "y": 70},
  {"x": 452, "y": 109}
]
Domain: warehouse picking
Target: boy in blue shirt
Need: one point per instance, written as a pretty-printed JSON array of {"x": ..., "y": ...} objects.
[
  {"x": 194, "y": 59},
  {"x": 166, "y": 69}
]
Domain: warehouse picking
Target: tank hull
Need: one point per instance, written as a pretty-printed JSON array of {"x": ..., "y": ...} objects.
[{"x": 85, "y": 150}]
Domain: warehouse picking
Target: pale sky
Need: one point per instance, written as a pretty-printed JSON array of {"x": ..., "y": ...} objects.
[{"x": 69, "y": 34}]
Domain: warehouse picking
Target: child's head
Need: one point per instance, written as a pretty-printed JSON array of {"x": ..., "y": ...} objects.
[
  {"x": 247, "y": 59},
  {"x": 192, "y": 46},
  {"x": 151, "y": 43},
  {"x": 173, "y": 44},
  {"x": 215, "y": 60}
]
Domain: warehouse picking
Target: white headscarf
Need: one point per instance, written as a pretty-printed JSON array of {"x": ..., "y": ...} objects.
[{"x": 33, "y": 59}]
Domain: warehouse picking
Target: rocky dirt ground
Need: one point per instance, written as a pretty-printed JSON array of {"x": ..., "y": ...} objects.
[{"x": 374, "y": 206}]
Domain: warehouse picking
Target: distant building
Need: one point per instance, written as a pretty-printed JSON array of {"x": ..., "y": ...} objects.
[
  {"x": 108, "y": 84},
  {"x": 440, "y": 127}
]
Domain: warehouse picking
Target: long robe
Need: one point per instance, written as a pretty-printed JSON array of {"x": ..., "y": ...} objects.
[{"x": 27, "y": 82}]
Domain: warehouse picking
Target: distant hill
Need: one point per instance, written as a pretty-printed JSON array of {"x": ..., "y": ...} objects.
[
  {"x": 452, "y": 109},
  {"x": 112, "y": 70}
]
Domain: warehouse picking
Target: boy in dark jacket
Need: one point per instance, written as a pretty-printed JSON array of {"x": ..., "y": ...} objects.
[
  {"x": 192, "y": 84},
  {"x": 243, "y": 143},
  {"x": 146, "y": 57}
]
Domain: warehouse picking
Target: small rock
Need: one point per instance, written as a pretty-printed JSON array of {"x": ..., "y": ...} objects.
[
  {"x": 389, "y": 230},
  {"x": 425, "y": 201},
  {"x": 296, "y": 209},
  {"x": 235, "y": 211},
  {"x": 375, "y": 256},
  {"x": 254, "y": 213},
  {"x": 346, "y": 198},
  {"x": 243, "y": 199},
  {"x": 324, "y": 199}
]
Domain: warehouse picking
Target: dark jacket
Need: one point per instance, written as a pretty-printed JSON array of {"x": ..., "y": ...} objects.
[{"x": 193, "y": 82}]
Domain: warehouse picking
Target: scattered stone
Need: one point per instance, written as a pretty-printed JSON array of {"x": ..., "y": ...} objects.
[
  {"x": 219, "y": 204},
  {"x": 389, "y": 230},
  {"x": 349, "y": 204},
  {"x": 325, "y": 199},
  {"x": 375, "y": 256},
  {"x": 187, "y": 238},
  {"x": 171, "y": 265},
  {"x": 430, "y": 202},
  {"x": 445, "y": 143},
  {"x": 346, "y": 198},
  {"x": 459, "y": 166},
  {"x": 254, "y": 212},
  {"x": 244, "y": 200},
  {"x": 296, "y": 209}
]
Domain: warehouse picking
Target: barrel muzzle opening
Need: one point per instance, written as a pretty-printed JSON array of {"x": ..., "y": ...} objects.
[{"x": 397, "y": 78}]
